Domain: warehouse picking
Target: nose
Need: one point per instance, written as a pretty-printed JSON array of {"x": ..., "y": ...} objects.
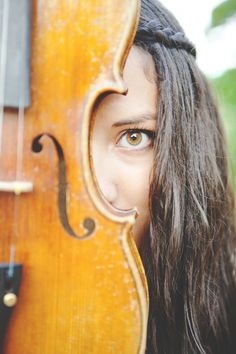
[
  {"x": 107, "y": 188},
  {"x": 104, "y": 172}
]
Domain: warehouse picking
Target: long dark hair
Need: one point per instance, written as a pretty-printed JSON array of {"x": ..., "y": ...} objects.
[{"x": 192, "y": 234}]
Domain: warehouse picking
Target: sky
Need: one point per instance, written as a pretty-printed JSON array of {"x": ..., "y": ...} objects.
[{"x": 216, "y": 49}]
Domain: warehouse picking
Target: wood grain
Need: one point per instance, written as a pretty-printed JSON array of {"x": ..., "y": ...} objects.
[{"x": 77, "y": 295}]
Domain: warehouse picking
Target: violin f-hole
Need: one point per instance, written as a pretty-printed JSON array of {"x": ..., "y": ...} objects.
[{"x": 88, "y": 223}]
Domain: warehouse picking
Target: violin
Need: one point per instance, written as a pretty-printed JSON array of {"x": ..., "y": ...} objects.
[{"x": 71, "y": 280}]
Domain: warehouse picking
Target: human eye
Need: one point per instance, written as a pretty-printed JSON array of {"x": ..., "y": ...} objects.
[{"x": 136, "y": 139}]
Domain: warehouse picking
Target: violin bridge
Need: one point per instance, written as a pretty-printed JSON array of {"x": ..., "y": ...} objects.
[{"x": 16, "y": 187}]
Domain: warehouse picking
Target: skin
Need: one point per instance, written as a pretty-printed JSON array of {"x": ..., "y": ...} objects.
[{"x": 122, "y": 144}]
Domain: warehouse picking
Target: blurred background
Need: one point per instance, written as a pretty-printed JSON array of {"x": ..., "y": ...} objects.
[{"x": 211, "y": 26}]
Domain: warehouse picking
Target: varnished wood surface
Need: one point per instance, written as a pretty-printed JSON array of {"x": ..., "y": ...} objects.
[{"x": 77, "y": 295}]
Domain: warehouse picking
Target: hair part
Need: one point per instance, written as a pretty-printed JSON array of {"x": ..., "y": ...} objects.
[{"x": 192, "y": 233}]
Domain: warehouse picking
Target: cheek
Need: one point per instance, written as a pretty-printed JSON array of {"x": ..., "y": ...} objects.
[
  {"x": 133, "y": 182},
  {"x": 137, "y": 191},
  {"x": 124, "y": 180}
]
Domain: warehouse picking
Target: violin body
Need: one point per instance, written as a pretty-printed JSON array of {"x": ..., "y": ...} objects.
[{"x": 82, "y": 288}]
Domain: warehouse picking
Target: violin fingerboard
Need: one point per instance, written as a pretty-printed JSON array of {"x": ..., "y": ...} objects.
[{"x": 15, "y": 29}]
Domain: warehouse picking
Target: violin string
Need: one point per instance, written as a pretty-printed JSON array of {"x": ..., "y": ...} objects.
[
  {"x": 5, "y": 5},
  {"x": 3, "y": 61},
  {"x": 20, "y": 140},
  {"x": 19, "y": 161},
  {"x": 10, "y": 271},
  {"x": 19, "y": 158}
]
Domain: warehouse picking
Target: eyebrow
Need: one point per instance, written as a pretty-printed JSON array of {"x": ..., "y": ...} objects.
[{"x": 135, "y": 119}]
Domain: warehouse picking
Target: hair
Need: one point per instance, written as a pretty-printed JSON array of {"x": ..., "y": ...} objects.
[{"x": 191, "y": 271}]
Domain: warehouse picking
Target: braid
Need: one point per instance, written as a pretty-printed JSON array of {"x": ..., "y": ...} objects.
[{"x": 166, "y": 36}]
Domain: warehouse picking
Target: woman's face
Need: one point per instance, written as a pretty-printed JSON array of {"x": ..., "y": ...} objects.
[{"x": 122, "y": 145}]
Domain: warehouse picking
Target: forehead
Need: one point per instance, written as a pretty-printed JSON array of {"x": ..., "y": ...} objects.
[
  {"x": 140, "y": 62},
  {"x": 140, "y": 79}
]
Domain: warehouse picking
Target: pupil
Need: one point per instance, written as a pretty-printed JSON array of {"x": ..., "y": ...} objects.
[{"x": 134, "y": 138}]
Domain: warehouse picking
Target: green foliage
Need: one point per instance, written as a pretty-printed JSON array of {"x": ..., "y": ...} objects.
[
  {"x": 226, "y": 85},
  {"x": 223, "y": 12},
  {"x": 226, "y": 89}
]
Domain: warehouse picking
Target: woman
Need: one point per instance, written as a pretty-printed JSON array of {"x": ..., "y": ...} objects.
[{"x": 161, "y": 148}]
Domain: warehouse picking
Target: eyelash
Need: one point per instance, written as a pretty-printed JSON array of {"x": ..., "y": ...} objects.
[{"x": 149, "y": 133}]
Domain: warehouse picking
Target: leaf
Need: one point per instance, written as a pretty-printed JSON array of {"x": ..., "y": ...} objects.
[
  {"x": 225, "y": 86},
  {"x": 223, "y": 12}
]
